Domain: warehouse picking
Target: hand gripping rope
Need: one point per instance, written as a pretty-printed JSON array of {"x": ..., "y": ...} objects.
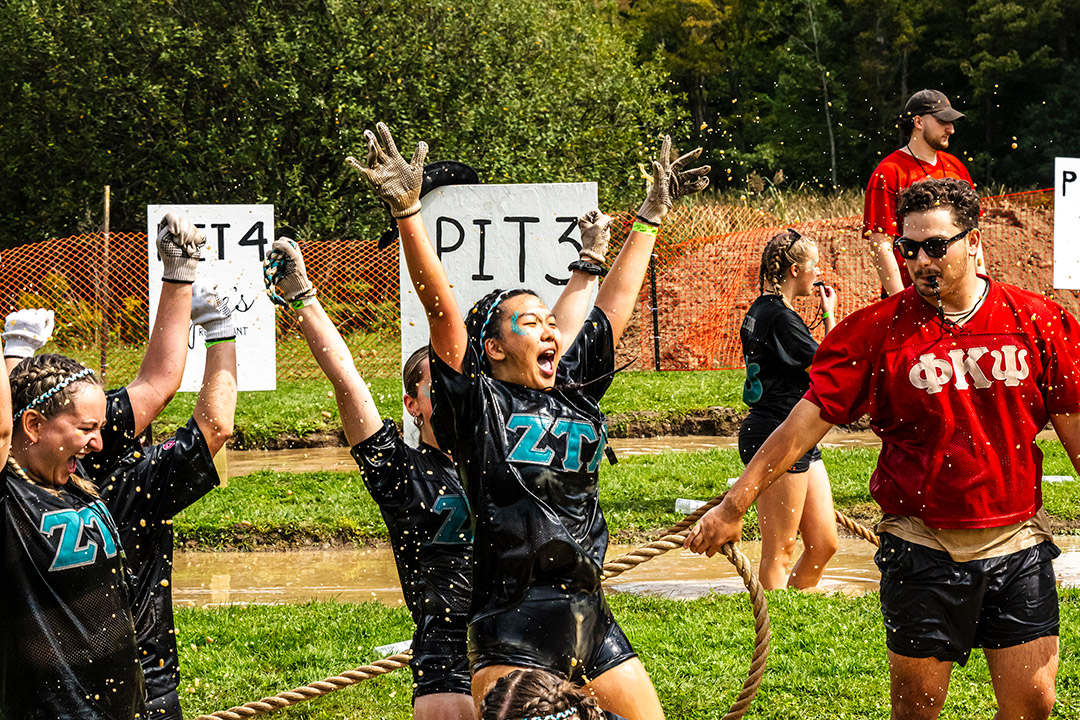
[{"x": 671, "y": 539}]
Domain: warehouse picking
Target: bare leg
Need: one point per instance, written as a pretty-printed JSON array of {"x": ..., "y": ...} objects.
[
  {"x": 780, "y": 509},
  {"x": 444, "y": 706},
  {"x": 918, "y": 686},
  {"x": 1024, "y": 677},
  {"x": 818, "y": 528},
  {"x": 626, "y": 690}
]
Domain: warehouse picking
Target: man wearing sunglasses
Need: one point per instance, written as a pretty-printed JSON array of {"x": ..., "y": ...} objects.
[
  {"x": 928, "y": 123},
  {"x": 958, "y": 374}
]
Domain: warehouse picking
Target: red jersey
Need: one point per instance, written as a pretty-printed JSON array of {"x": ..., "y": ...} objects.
[
  {"x": 957, "y": 408},
  {"x": 898, "y": 171}
]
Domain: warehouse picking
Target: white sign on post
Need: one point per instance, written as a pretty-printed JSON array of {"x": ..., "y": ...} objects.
[
  {"x": 237, "y": 239},
  {"x": 496, "y": 236},
  {"x": 1067, "y": 223}
]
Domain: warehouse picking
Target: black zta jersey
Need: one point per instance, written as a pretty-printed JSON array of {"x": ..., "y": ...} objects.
[
  {"x": 528, "y": 461},
  {"x": 68, "y": 647}
]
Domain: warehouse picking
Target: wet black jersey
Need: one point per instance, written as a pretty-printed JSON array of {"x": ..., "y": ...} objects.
[
  {"x": 528, "y": 461},
  {"x": 427, "y": 517},
  {"x": 68, "y": 647},
  {"x": 778, "y": 348},
  {"x": 143, "y": 492},
  {"x": 117, "y": 436}
]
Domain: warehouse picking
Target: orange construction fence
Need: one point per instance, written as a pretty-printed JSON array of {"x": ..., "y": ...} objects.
[{"x": 705, "y": 275}]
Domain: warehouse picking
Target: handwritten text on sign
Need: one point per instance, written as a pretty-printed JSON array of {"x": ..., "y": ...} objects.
[{"x": 237, "y": 240}]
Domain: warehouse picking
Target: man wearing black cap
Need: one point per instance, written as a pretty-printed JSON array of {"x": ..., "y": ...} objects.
[{"x": 928, "y": 121}]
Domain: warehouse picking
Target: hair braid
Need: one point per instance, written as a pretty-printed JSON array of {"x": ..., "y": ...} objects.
[
  {"x": 37, "y": 383},
  {"x": 781, "y": 252},
  {"x": 527, "y": 694}
]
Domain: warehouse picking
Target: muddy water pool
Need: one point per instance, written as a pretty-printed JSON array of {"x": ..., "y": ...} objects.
[{"x": 360, "y": 574}]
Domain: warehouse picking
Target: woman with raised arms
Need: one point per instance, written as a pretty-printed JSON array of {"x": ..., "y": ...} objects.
[{"x": 517, "y": 405}]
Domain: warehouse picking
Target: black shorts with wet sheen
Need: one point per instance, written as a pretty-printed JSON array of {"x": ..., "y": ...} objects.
[
  {"x": 752, "y": 435},
  {"x": 936, "y": 607},
  {"x": 440, "y": 662},
  {"x": 571, "y": 634}
]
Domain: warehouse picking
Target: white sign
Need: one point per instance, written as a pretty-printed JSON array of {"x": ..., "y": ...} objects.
[
  {"x": 497, "y": 236},
  {"x": 237, "y": 239},
  {"x": 1067, "y": 223}
]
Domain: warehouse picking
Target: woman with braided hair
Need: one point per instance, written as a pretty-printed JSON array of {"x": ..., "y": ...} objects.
[
  {"x": 69, "y": 649},
  {"x": 778, "y": 349},
  {"x": 517, "y": 405},
  {"x": 539, "y": 695}
]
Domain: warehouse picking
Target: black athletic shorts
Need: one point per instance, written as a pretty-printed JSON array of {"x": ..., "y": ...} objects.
[
  {"x": 573, "y": 634},
  {"x": 166, "y": 707},
  {"x": 440, "y": 661},
  {"x": 752, "y": 434},
  {"x": 936, "y": 607}
]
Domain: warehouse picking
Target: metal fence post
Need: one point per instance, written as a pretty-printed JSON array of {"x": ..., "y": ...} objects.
[{"x": 103, "y": 296}]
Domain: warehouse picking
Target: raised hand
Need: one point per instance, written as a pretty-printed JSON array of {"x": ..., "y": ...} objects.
[
  {"x": 284, "y": 273},
  {"x": 212, "y": 311},
  {"x": 671, "y": 182},
  {"x": 595, "y": 228},
  {"x": 27, "y": 331},
  {"x": 179, "y": 244},
  {"x": 395, "y": 181}
]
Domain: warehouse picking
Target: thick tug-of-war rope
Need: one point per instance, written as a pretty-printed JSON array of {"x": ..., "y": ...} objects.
[
  {"x": 742, "y": 565},
  {"x": 672, "y": 539},
  {"x": 308, "y": 692},
  {"x": 857, "y": 528}
]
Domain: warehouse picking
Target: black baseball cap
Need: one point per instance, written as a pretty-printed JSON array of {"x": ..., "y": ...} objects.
[
  {"x": 931, "y": 102},
  {"x": 436, "y": 175}
]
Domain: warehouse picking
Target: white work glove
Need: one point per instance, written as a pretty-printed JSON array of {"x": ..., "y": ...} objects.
[
  {"x": 671, "y": 182},
  {"x": 395, "y": 181},
  {"x": 284, "y": 273},
  {"x": 27, "y": 331},
  {"x": 212, "y": 311},
  {"x": 595, "y": 228},
  {"x": 179, "y": 244}
]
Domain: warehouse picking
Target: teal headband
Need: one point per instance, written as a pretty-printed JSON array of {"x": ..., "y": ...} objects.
[{"x": 52, "y": 391}]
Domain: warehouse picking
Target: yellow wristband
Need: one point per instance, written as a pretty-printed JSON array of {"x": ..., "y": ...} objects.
[{"x": 645, "y": 228}]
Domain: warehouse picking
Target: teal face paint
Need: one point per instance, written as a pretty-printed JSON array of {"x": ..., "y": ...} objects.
[{"x": 514, "y": 325}]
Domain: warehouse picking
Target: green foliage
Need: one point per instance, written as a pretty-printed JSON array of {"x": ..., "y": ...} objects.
[{"x": 220, "y": 102}]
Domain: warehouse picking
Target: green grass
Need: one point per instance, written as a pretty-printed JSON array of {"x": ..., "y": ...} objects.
[
  {"x": 638, "y": 497},
  {"x": 827, "y": 657},
  {"x": 674, "y": 393}
]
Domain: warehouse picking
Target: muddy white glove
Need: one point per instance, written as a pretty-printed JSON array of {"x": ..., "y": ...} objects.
[
  {"x": 284, "y": 273},
  {"x": 27, "y": 331},
  {"x": 671, "y": 182},
  {"x": 212, "y": 311},
  {"x": 595, "y": 228},
  {"x": 179, "y": 244},
  {"x": 394, "y": 180}
]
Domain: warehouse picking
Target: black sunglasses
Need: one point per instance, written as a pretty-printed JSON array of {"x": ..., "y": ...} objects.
[{"x": 933, "y": 247}]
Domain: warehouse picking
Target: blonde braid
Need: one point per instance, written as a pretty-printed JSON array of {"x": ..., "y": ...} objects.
[{"x": 781, "y": 252}]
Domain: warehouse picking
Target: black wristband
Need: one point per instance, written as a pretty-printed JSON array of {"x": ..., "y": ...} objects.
[
  {"x": 647, "y": 221},
  {"x": 178, "y": 282},
  {"x": 586, "y": 266}
]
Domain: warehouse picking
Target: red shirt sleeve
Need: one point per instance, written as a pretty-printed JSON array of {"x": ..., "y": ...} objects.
[
  {"x": 1062, "y": 382},
  {"x": 843, "y": 367},
  {"x": 879, "y": 205}
]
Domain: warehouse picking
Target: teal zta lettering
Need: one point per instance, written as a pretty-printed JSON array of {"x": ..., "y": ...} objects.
[
  {"x": 76, "y": 548},
  {"x": 454, "y": 530},
  {"x": 526, "y": 449},
  {"x": 574, "y": 430}
]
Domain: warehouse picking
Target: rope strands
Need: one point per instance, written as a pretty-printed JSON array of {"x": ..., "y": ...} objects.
[
  {"x": 757, "y": 598},
  {"x": 857, "y": 528},
  {"x": 309, "y": 692}
]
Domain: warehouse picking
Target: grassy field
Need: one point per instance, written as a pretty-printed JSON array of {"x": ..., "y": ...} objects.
[
  {"x": 638, "y": 496},
  {"x": 296, "y": 408},
  {"x": 827, "y": 657}
]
